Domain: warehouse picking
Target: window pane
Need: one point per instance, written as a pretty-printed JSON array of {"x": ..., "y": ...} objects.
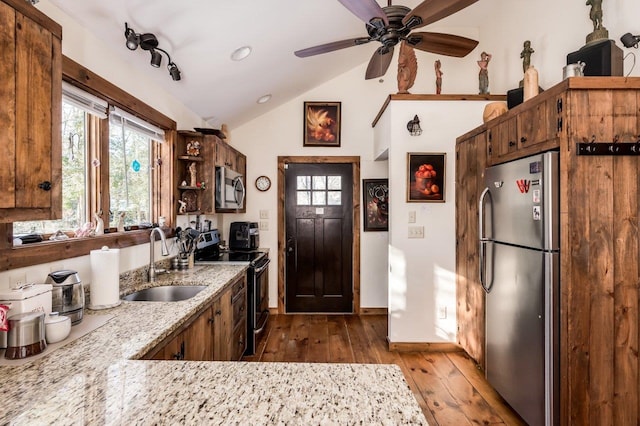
[
  {"x": 304, "y": 198},
  {"x": 319, "y": 198},
  {"x": 304, "y": 182},
  {"x": 74, "y": 177},
  {"x": 129, "y": 175},
  {"x": 334, "y": 183},
  {"x": 334, "y": 198},
  {"x": 319, "y": 182}
]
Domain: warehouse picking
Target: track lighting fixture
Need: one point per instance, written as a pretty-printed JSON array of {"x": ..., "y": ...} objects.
[
  {"x": 630, "y": 40},
  {"x": 149, "y": 42}
]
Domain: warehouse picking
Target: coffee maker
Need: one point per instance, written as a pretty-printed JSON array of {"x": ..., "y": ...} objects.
[{"x": 244, "y": 236}]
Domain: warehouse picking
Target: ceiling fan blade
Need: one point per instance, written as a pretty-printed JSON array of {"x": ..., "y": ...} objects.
[
  {"x": 430, "y": 11},
  {"x": 442, "y": 44},
  {"x": 366, "y": 10},
  {"x": 330, "y": 47},
  {"x": 379, "y": 63}
]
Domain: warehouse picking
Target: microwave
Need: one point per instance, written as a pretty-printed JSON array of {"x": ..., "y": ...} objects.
[{"x": 230, "y": 190}]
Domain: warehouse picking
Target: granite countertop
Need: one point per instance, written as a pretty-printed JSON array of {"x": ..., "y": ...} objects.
[{"x": 99, "y": 379}]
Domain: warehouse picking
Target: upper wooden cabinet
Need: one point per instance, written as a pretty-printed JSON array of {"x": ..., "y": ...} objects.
[
  {"x": 528, "y": 128},
  {"x": 199, "y": 196},
  {"x": 30, "y": 113}
]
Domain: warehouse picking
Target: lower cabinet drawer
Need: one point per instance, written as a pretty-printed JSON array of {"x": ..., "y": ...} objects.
[{"x": 239, "y": 340}]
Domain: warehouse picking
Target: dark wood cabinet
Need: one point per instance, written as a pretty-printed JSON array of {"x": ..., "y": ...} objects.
[
  {"x": 30, "y": 113},
  {"x": 599, "y": 240}
]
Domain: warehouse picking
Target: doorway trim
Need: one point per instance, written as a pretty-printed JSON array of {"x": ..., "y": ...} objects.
[{"x": 355, "y": 252}]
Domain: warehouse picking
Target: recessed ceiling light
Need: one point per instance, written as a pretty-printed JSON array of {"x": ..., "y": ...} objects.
[
  {"x": 241, "y": 53},
  {"x": 263, "y": 99}
]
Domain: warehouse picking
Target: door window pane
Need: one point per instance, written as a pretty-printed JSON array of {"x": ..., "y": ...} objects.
[
  {"x": 303, "y": 182},
  {"x": 319, "y": 198},
  {"x": 319, "y": 183},
  {"x": 334, "y": 183},
  {"x": 304, "y": 198},
  {"x": 334, "y": 198}
]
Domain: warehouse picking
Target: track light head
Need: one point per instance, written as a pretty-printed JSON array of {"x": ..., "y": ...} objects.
[
  {"x": 174, "y": 71},
  {"x": 156, "y": 58},
  {"x": 132, "y": 38}
]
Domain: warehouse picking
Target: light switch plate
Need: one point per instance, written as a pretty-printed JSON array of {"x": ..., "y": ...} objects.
[
  {"x": 264, "y": 214},
  {"x": 416, "y": 232},
  {"x": 412, "y": 216},
  {"x": 264, "y": 225}
]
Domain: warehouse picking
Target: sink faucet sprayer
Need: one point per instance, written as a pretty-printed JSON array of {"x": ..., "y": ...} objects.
[{"x": 165, "y": 252}]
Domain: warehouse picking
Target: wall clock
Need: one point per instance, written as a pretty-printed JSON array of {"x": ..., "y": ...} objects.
[{"x": 263, "y": 183}]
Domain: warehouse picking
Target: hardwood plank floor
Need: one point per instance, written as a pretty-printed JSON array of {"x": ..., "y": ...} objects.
[{"x": 448, "y": 386}]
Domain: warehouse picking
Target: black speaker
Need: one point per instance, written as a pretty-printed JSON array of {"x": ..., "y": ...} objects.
[
  {"x": 602, "y": 59},
  {"x": 515, "y": 97}
]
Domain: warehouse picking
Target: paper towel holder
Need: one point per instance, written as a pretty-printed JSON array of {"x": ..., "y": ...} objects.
[{"x": 108, "y": 294}]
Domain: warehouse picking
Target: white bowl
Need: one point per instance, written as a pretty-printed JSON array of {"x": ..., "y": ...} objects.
[{"x": 57, "y": 327}]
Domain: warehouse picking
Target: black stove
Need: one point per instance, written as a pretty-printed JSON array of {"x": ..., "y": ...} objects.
[{"x": 211, "y": 256}]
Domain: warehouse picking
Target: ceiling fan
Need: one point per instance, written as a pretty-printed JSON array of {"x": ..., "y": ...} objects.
[{"x": 392, "y": 24}]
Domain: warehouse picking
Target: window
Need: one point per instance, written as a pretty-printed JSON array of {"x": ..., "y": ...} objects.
[{"x": 319, "y": 190}]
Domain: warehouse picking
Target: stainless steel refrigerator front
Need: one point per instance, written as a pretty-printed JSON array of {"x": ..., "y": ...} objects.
[{"x": 519, "y": 271}]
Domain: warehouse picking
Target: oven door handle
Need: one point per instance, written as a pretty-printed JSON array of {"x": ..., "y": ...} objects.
[
  {"x": 264, "y": 266},
  {"x": 265, "y": 315}
]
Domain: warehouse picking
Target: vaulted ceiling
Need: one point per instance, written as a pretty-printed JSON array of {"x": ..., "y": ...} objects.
[{"x": 200, "y": 36}]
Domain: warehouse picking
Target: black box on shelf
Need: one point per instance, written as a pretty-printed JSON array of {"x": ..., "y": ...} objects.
[
  {"x": 515, "y": 97},
  {"x": 601, "y": 59}
]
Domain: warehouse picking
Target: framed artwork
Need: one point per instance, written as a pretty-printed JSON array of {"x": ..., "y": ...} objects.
[
  {"x": 321, "y": 124},
  {"x": 375, "y": 194},
  {"x": 426, "y": 177}
]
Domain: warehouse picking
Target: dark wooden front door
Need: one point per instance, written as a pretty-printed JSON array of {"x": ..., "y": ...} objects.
[{"x": 319, "y": 237}]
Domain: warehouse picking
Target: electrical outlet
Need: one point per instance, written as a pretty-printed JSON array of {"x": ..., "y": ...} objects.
[
  {"x": 416, "y": 232},
  {"x": 264, "y": 214},
  {"x": 442, "y": 312},
  {"x": 264, "y": 225},
  {"x": 412, "y": 216}
]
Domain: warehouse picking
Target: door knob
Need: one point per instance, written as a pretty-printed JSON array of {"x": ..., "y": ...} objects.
[{"x": 45, "y": 186}]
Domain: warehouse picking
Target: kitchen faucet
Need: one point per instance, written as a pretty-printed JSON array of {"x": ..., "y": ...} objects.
[{"x": 165, "y": 252}]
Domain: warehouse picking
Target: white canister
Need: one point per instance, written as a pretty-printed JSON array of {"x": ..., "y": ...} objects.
[
  {"x": 33, "y": 298},
  {"x": 105, "y": 278}
]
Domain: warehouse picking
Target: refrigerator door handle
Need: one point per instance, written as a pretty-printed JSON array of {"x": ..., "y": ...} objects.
[{"x": 482, "y": 267}]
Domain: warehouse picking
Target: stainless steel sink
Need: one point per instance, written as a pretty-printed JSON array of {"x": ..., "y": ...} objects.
[{"x": 165, "y": 293}]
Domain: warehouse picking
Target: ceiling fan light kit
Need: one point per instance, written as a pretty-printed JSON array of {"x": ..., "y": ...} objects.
[
  {"x": 149, "y": 42},
  {"x": 394, "y": 23}
]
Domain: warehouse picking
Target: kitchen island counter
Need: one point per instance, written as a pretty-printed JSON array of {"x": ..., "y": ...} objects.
[{"x": 98, "y": 378}]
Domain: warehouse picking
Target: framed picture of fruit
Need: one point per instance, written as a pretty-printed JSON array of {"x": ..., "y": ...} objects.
[
  {"x": 426, "y": 177},
  {"x": 321, "y": 124},
  {"x": 375, "y": 194}
]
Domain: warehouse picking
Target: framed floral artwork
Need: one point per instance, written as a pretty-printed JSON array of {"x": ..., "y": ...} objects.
[
  {"x": 426, "y": 177},
  {"x": 375, "y": 194},
  {"x": 321, "y": 124}
]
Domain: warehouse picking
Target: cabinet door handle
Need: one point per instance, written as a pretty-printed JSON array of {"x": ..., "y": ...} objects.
[
  {"x": 523, "y": 140},
  {"x": 512, "y": 143},
  {"x": 45, "y": 186},
  {"x": 218, "y": 312},
  {"x": 211, "y": 320}
]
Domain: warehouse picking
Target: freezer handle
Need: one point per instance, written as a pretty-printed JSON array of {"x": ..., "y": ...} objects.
[{"x": 483, "y": 241}]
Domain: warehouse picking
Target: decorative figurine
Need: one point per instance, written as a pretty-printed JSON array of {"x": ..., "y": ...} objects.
[
  {"x": 438, "y": 67},
  {"x": 99, "y": 223},
  {"x": 526, "y": 58},
  {"x": 407, "y": 68},
  {"x": 225, "y": 132},
  {"x": 193, "y": 148},
  {"x": 595, "y": 14},
  {"x": 120, "y": 226},
  {"x": 192, "y": 174},
  {"x": 483, "y": 76},
  {"x": 183, "y": 207}
]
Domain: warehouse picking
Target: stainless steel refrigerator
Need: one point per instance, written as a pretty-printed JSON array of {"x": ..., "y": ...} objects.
[{"x": 519, "y": 271}]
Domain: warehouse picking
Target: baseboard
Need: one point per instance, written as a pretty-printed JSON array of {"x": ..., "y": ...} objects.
[
  {"x": 374, "y": 311},
  {"x": 424, "y": 347}
]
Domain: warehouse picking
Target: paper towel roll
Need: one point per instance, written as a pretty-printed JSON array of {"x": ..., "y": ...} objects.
[{"x": 105, "y": 278}]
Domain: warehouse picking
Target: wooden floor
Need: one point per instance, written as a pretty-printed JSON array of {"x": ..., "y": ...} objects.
[{"x": 448, "y": 386}]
